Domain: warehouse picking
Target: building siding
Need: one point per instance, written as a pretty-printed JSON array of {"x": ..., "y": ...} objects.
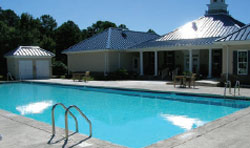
[
  {"x": 13, "y": 65},
  {"x": 231, "y": 49},
  {"x": 94, "y": 62}
]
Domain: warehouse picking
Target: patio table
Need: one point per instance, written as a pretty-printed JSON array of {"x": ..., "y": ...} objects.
[{"x": 184, "y": 80}]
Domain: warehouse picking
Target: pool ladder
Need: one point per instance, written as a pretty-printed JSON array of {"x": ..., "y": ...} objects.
[
  {"x": 67, "y": 111},
  {"x": 237, "y": 87},
  {"x": 228, "y": 84}
]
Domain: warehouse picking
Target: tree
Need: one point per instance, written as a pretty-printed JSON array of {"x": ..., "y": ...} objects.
[
  {"x": 151, "y": 31},
  {"x": 96, "y": 28},
  {"x": 29, "y": 30},
  {"x": 48, "y": 43},
  {"x": 9, "y": 17},
  {"x": 8, "y": 41},
  {"x": 122, "y": 26},
  {"x": 48, "y": 25},
  {"x": 66, "y": 35}
]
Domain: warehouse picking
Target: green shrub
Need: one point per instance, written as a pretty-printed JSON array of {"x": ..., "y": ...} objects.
[
  {"x": 59, "y": 68},
  {"x": 120, "y": 74}
]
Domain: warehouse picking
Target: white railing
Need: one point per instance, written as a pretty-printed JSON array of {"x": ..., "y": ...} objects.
[{"x": 237, "y": 87}]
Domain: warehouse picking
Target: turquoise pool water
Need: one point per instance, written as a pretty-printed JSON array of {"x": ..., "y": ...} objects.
[{"x": 129, "y": 118}]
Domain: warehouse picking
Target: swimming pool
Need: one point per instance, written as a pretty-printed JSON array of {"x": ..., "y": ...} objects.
[{"x": 129, "y": 118}]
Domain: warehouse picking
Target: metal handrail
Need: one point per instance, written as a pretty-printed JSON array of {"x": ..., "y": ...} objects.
[
  {"x": 237, "y": 85},
  {"x": 83, "y": 115},
  {"x": 9, "y": 77},
  {"x": 53, "y": 117},
  {"x": 228, "y": 85}
]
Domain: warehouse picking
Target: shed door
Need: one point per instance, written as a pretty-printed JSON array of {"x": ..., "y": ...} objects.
[
  {"x": 42, "y": 69},
  {"x": 25, "y": 69}
]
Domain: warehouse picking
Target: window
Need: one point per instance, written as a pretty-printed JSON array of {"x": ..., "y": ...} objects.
[{"x": 242, "y": 65}]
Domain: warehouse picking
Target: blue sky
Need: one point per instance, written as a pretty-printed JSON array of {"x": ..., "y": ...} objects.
[{"x": 160, "y": 15}]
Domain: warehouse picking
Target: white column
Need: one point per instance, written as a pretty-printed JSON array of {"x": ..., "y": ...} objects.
[
  {"x": 156, "y": 63},
  {"x": 141, "y": 63},
  {"x": 210, "y": 64},
  {"x": 190, "y": 61},
  {"x": 227, "y": 63}
]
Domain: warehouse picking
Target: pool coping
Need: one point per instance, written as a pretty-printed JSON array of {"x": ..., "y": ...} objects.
[
  {"x": 147, "y": 90},
  {"x": 171, "y": 142}
]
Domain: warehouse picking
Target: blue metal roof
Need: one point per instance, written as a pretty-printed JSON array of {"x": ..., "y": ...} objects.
[
  {"x": 176, "y": 43},
  {"x": 205, "y": 27},
  {"x": 112, "y": 38},
  {"x": 242, "y": 34}
]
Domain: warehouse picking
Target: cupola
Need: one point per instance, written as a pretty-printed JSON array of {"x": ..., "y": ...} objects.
[{"x": 217, "y": 7}]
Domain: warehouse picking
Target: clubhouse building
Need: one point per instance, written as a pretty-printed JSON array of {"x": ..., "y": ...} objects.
[{"x": 213, "y": 45}]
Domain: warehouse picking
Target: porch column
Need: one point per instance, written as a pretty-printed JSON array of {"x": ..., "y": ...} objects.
[
  {"x": 156, "y": 63},
  {"x": 190, "y": 61},
  {"x": 210, "y": 64},
  {"x": 227, "y": 63},
  {"x": 141, "y": 63}
]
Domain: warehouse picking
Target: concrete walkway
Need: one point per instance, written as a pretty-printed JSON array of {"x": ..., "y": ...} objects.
[{"x": 232, "y": 131}]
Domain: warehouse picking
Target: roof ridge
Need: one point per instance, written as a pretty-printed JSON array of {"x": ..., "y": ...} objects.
[{"x": 109, "y": 38}]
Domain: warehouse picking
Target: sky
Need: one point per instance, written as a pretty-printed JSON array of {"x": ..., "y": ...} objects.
[{"x": 162, "y": 16}]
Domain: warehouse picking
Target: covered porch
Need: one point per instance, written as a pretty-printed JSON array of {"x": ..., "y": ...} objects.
[{"x": 164, "y": 63}]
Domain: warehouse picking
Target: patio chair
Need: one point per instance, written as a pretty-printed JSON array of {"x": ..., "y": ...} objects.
[
  {"x": 77, "y": 76},
  {"x": 86, "y": 76},
  {"x": 164, "y": 73}
]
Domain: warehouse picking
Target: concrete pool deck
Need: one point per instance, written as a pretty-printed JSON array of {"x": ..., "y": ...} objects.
[
  {"x": 152, "y": 86},
  {"x": 21, "y": 132},
  {"x": 232, "y": 131}
]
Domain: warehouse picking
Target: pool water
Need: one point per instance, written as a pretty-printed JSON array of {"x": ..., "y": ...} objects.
[{"x": 129, "y": 118}]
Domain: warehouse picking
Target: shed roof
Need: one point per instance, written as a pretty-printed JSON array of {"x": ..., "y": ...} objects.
[
  {"x": 29, "y": 51},
  {"x": 112, "y": 38},
  {"x": 205, "y": 27},
  {"x": 242, "y": 34}
]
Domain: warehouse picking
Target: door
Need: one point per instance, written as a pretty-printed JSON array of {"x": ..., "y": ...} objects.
[
  {"x": 195, "y": 62},
  {"x": 42, "y": 69},
  {"x": 25, "y": 69}
]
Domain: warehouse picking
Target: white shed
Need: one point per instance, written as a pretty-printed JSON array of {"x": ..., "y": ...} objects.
[{"x": 29, "y": 62}]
